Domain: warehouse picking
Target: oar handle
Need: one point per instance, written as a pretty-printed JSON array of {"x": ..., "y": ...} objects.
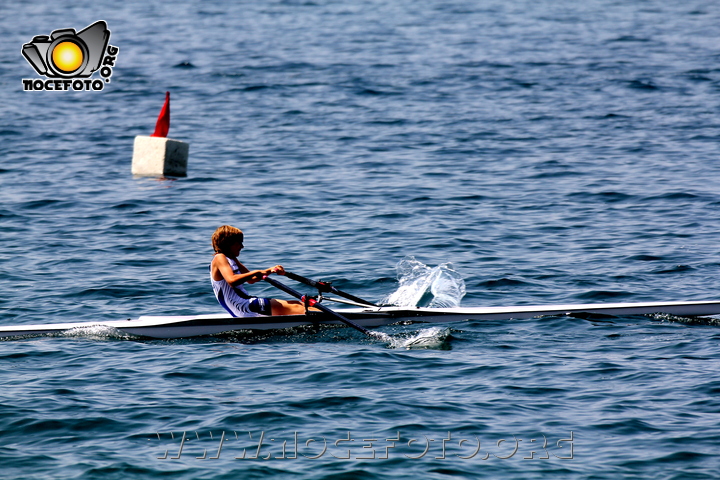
[
  {"x": 327, "y": 288},
  {"x": 319, "y": 306}
]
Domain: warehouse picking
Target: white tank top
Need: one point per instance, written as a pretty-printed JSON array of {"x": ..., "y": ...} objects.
[{"x": 233, "y": 299}]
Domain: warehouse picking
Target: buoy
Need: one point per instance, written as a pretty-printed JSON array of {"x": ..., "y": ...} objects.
[{"x": 157, "y": 155}]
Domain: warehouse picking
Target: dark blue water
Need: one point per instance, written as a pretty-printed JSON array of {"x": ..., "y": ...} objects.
[{"x": 554, "y": 152}]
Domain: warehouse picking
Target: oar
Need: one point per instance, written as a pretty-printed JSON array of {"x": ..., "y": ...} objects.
[
  {"x": 327, "y": 288},
  {"x": 323, "y": 308}
]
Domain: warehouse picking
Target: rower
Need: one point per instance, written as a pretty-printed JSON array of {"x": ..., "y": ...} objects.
[{"x": 228, "y": 274}]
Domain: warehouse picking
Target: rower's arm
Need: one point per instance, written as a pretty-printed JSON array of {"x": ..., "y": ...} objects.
[{"x": 221, "y": 268}]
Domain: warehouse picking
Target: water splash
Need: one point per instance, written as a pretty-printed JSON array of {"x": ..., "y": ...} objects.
[
  {"x": 433, "y": 338},
  {"x": 383, "y": 337},
  {"x": 415, "y": 278}
]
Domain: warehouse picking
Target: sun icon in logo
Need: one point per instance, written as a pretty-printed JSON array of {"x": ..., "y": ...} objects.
[{"x": 67, "y": 56}]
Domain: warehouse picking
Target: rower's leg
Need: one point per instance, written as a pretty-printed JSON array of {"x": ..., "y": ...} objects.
[{"x": 286, "y": 307}]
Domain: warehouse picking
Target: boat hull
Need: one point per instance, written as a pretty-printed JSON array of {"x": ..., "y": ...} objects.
[{"x": 199, "y": 325}]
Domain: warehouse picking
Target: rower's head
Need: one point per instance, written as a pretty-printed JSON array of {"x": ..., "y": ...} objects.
[{"x": 225, "y": 238}]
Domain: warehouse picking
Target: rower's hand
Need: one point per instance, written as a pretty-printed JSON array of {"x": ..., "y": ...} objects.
[
  {"x": 260, "y": 275},
  {"x": 278, "y": 269}
]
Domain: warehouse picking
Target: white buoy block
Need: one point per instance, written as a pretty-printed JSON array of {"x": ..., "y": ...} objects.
[{"x": 159, "y": 156}]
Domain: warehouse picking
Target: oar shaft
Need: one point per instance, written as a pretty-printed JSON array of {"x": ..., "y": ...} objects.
[
  {"x": 324, "y": 287},
  {"x": 319, "y": 306}
]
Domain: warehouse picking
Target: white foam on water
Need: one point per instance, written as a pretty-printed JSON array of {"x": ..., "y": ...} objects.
[
  {"x": 415, "y": 279},
  {"x": 96, "y": 332}
]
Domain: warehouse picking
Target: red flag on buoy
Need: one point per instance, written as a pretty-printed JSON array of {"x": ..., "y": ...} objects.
[{"x": 162, "y": 127}]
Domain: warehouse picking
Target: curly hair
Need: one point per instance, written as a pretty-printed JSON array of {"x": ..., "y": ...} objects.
[{"x": 224, "y": 237}]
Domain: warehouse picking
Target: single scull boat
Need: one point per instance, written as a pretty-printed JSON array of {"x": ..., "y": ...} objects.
[{"x": 368, "y": 317}]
